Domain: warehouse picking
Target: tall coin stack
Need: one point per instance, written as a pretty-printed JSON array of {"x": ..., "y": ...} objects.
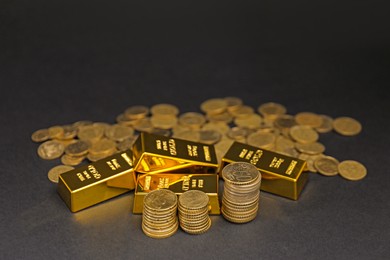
[
  {"x": 159, "y": 218},
  {"x": 194, "y": 212},
  {"x": 240, "y": 198}
]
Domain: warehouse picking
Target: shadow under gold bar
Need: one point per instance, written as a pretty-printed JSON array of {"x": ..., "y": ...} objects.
[
  {"x": 156, "y": 154},
  {"x": 282, "y": 175},
  {"x": 98, "y": 181},
  {"x": 177, "y": 183}
]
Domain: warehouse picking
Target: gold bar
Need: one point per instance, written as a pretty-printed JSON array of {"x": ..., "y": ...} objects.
[
  {"x": 98, "y": 181},
  {"x": 156, "y": 154},
  {"x": 177, "y": 183},
  {"x": 282, "y": 175}
]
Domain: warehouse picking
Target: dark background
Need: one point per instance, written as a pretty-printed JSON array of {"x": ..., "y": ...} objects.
[{"x": 64, "y": 61}]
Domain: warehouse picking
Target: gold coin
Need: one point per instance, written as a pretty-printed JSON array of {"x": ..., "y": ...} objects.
[
  {"x": 40, "y": 135},
  {"x": 326, "y": 126},
  {"x": 90, "y": 133},
  {"x": 163, "y": 121},
  {"x": 103, "y": 147},
  {"x": 263, "y": 140},
  {"x": 193, "y": 199},
  {"x": 242, "y": 111},
  {"x": 233, "y": 103},
  {"x": 209, "y": 136},
  {"x": 50, "y": 150},
  {"x": 310, "y": 159},
  {"x": 347, "y": 126},
  {"x": 56, "y": 132},
  {"x": 309, "y": 119},
  {"x": 284, "y": 122},
  {"x": 310, "y": 148},
  {"x": 252, "y": 121},
  {"x": 303, "y": 134},
  {"x": 121, "y": 119},
  {"x": 327, "y": 165},
  {"x": 66, "y": 142},
  {"x": 126, "y": 144},
  {"x": 118, "y": 132},
  {"x": 271, "y": 110},
  {"x": 143, "y": 125},
  {"x": 55, "y": 172},
  {"x": 101, "y": 125},
  {"x": 70, "y": 131},
  {"x": 192, "y": 120},
  {"x": 223, "y": 117},
  {"x": 238, "y": 134},
  {"x": 96, "y": 157},
  {"x": 136, "y": 112},
  {"x": 214, "y": 106},
  {"x": 82, "y": 123},
  {"x": 220, "y": 127},
  {"x": 164, "y": 109},
  {"x": 158, "y": 234},
  {"x": 67, "y": 159},
  {"x": 79, "y": 148},
  {"x": 352, "y": 170},
  {"x": 160, "y": 200}
]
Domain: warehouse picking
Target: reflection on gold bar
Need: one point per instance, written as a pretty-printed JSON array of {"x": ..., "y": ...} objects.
[
  {"x": 98, "y": 181},
  {"x": 177, "y": 183},
  {"x": 156, "y": 154},
  {"x": 282, "y": 175}
]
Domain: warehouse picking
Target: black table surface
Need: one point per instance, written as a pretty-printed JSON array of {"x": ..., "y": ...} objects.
[{"x": 65, "y": 61}]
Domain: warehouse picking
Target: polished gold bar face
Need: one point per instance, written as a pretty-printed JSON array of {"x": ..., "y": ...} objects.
[
  {"x": 98, "y": 181},
  {"x": 282, "y": 175},
  {"x": 156, "y": 154},
  {"x": 177, "y": 183}
]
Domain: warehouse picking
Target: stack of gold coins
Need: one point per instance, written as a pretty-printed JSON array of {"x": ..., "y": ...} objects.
[
  {"x": 240, "y": 199},
  {"x": 194, "y": 212},
  {"x": 159, "y": 217}
]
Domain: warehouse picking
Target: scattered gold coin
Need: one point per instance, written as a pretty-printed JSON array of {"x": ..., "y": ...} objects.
[
  {"x": 56, "y": 132},
  {"x": 40, "y": 135},
  {"x": 271, "y": 110},
  {"x": 347, "y": 126},
  {"x": 50, "y": 150},
  {"x": 327, "y": 165},
  {"x": 214, "y": 106},
  {"x": 308, "y": 119},
  {"x": 223, "y": 121},
  {"x": 352, "y": 170},
  {"x": 164, "y": 109},
  {"x": 303, "y": 134},
  {"x": 55, "y": 172},
  {"x": 326, "y": 125}
]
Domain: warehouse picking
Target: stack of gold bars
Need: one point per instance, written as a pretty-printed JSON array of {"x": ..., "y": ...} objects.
[{"x": 151, "y": 149}]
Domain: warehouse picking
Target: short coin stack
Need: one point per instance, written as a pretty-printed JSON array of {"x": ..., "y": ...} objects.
[
  {"x": 159, "y": 218},
  {"x": 240, "y": 200},
  {"x": 193, "y": 212}
]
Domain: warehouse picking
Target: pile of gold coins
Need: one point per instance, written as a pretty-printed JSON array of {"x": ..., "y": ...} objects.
[
  {"x": 194, "y": 212},
  {"x": 241, "y": 193},
  {"x": 159, "y": 218},
  {"x": 222, "y": 121}
]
